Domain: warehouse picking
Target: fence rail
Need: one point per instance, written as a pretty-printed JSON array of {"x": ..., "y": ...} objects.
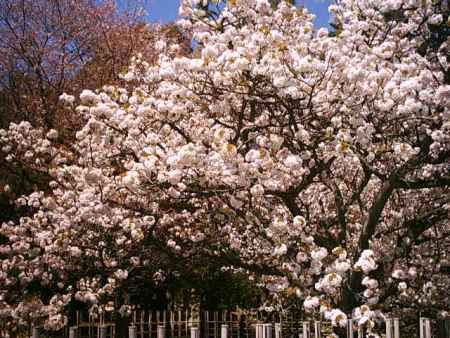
[{"x": 225, "y": 324}]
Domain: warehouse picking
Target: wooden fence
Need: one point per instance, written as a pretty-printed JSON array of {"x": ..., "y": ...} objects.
[{"x": 226, "y": 324}]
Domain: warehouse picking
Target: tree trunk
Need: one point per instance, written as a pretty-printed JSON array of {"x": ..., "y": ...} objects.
[{"x": 122, "y": 324}]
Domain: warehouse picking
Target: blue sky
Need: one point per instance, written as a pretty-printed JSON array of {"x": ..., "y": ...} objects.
[{"x": 167, "y": 10}]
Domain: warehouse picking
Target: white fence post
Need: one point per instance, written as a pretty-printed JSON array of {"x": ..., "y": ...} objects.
[
  {"x": 428, "y": 327},
  {"x": 317, "y": 329},
  {"x": 389, "y": 328},
  {"x": 350, "y": 328},
  {"x": 397, "y": 328},
  {"x": 306, "y": 329},
  {"x": 392, "y": 328},
  {"x": 425, "y": 328},
  {"x": 161, "y": 331},
  {"x": 267, "y": 330},
  {"x": 421, "y": 328},
  {"x": 224, "y": 331},
  {"x": 195, "y": 332},
  {"x": 132, "y": 331},
  {"x": 258, "y": 330},
  {"x": 72, "y": 332},
  {"x": 277, "y": 330}
]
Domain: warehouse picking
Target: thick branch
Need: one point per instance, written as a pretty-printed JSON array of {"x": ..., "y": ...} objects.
[
  {"x": 424, "y": 184},
  {"x": 374, "y": 215}
]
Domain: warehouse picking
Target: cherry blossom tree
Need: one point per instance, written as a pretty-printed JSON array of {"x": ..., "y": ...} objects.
[
  {"x": 51, "y": 47},
  {"x": 47, "y": 48},
  {"x": 42, "y": 45},
  {"x": 316, "y": 165}
]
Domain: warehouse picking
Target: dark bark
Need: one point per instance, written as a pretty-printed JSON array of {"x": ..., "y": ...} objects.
[{"x": 121, "y": 324}]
